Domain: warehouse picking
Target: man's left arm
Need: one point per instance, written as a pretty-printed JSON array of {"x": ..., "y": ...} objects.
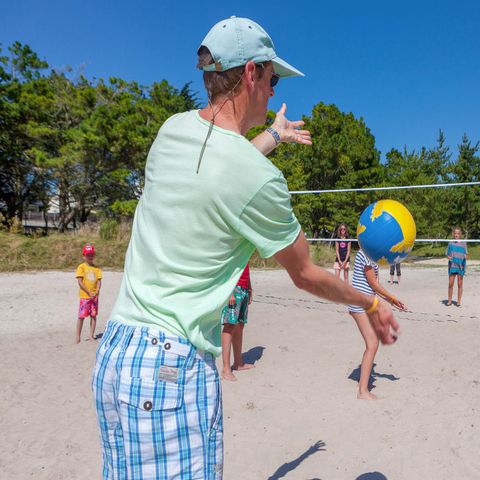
[{"x": 282, "y": 131}]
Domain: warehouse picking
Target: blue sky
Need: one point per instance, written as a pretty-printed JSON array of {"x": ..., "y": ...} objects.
[{"x": 408, "y": 68}]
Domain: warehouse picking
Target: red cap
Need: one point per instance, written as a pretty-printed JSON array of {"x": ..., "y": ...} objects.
[{"x": 88, "y": 250}]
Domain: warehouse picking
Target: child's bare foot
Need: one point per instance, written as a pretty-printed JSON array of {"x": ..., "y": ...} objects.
[
  {"x": 77, "y": 340},
  {"x": 91, "y": 339},
  {"x": 229, "y": 376},
  {"x": 366, "y": 396},
  {"x": 449, "y": 303},
  {"x": 243, "y": 366}
]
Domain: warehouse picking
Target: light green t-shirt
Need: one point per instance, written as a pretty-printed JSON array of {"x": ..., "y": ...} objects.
[{"x": 194, "y": 233}]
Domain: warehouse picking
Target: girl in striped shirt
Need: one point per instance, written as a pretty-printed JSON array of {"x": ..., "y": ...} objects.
[
  {"x": 365, "y": 279},
  {"x": 457, "y": 263}
]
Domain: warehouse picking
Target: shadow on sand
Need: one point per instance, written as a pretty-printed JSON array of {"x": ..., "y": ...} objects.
[
  {"x": 355, "y": 376},
  {"x": 253, "y": 355},
  {"x": 288, "y": 467},
  {"x": 372, "y": 476},
  {"x": 445, "y": 302}
]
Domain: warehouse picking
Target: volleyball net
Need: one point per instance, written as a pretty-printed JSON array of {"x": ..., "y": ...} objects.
[{"x": 389, "y": 188}]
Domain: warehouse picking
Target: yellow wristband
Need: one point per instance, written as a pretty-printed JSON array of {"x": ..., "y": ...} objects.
[{"x": 373, "y": 307}]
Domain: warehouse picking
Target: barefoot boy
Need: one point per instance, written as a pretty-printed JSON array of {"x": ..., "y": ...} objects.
[
  {"x": 89, "y": 280},
  {"x": 234, "y": 318}
]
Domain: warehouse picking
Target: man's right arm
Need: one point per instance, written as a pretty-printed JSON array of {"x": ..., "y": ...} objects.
[{"x": 317, "y": 281}]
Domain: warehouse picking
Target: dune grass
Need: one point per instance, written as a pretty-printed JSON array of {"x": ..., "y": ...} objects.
[
  {"x": 64, "y": 251},
  {"x": 57, "y": 252}
]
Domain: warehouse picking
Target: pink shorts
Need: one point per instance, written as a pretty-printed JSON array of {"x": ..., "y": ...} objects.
[
  {"x": 88, "y": 307},
  {"x": 336, "y": 266}
]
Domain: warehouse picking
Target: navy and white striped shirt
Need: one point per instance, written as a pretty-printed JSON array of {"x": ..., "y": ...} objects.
[{"x": 359, "y": 280}]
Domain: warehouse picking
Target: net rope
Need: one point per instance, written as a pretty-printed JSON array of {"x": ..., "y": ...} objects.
[{"x": 400, "y": 187}]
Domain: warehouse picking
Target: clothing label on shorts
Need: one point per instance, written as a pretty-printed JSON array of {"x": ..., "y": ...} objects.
[{"x": 168, "y": 374}]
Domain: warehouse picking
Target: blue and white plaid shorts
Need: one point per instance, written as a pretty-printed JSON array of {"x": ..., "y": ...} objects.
[{"x": 159, "y": 407}]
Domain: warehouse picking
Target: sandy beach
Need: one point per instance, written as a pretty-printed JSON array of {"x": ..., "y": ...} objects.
[{"x": 295, "y": 416}]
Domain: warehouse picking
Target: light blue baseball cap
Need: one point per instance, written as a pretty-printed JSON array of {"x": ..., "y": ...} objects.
[{"x": 235, "y": 41}]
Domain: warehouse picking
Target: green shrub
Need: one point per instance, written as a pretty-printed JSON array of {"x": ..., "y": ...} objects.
[
  {"x": 108, "y": 229},
  {"x": 16, "y": 226},
  {"x": 124, "y": 208}
]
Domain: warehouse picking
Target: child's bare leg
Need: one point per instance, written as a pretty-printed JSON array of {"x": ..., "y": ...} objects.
[
  {"x": 93, "y": 324},
  {"x": 78, "y": 330},
  {"x": 337, "y": 272},
  {"x": 345, "y": 274},
  {"x": 460, "y": 289},
  {"x": 451, "y": 281},
  {"x": 237, "y": 342},
  {"x": 227, "y": 334},
  {"x": 371, "y": 343}
]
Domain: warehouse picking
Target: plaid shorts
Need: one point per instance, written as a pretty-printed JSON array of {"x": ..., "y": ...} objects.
[
  {"x": 159, "y": 407},
  {"x": 88, "y": 307},
  {"x": 237, "y": 314}
]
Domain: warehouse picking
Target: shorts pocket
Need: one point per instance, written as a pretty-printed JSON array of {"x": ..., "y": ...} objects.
[
  {"x": 150, "y": 395},
  {"x": 166, "y": 351}
]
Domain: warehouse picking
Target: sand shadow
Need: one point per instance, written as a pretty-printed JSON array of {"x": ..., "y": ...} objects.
[
  {"x": 372, "y": 476},
  {"x": 98, "y": 336},
  {"x": 445, "y": 302},
  {"x": 253, "y": 355},
  {"x": 355, "y": 376},
  {"x": 288, "y": 467}
]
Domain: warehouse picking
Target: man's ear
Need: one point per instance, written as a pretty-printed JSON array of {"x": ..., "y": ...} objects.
[{"x": 250, "y": 74}]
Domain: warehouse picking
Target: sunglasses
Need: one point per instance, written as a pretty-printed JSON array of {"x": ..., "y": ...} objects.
[{"x": 274, "y": 78}]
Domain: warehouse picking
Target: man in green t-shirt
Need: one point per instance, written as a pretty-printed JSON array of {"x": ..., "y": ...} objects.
[{"x": 157, "y": 391}]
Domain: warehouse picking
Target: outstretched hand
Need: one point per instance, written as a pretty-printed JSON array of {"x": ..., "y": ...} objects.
[
  {"x": 289, "y": 130},
  {"x": 397, "y": 303},
  {"x": 384, "y": 323}
]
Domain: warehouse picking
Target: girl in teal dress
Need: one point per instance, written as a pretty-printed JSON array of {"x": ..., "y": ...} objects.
[{"x": 457, "y": 262}]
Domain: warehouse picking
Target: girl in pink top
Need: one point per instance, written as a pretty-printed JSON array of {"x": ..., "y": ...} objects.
[{"x": 342, "y": 250}]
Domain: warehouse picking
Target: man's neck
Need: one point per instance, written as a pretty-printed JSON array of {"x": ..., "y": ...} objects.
[{"x": 229, "y": 115}]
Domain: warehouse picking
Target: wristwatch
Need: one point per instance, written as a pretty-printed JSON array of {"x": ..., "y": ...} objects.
[{"x": 274, "y": 134}]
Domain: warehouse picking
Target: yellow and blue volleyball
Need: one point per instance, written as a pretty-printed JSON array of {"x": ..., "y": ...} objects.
[{"x": 386, "y": 232}]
